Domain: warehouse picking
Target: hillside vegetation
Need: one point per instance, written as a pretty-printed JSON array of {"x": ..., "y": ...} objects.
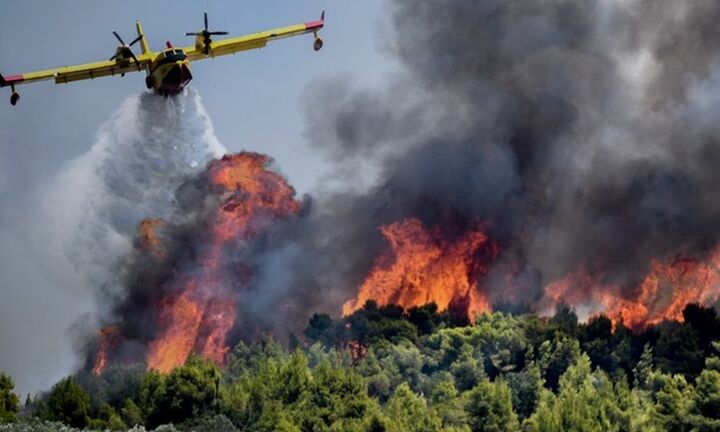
[{"x": 387, "y": 369}]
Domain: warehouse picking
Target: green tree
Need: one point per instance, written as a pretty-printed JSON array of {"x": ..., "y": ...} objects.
[
  {"x": 336, "y": 398},
  {"x": 190, "y": 390},
  {"x": 424, "y": 317},
  {"x": 565, "y": 320},
  {"x": 490, "y": 408},
  {"x": 467, "y": 372},
  {"x": 9, "y": 401},
  {"x": 525, "y": 386},
  {"x": 707, "y": 394},
  {"x": 447, "y": 401},
  {"x": 673, "y": 398},
  {"x": 706, "y": 405},
  {"x": 677, "y": 348},
  {"x": 321, "y": 328},
  {"x": 248, "y": 358},
  {"x": 108, "y": 419},
  {"x": 376, "y": 376},
  {"x": 596, "y": 340},
  {"x": 705, "y": 321},
  {"x": 131, "y": 414},
  {"x": 152, "y": 397},
  {"x": 68, "y": 403},
  {"x": 585, "y": 401},
  {"x": 555, "y": 357},
  {"x": 116, "y": 384},
  {"x": 402, "y": 362},
  {"x": 409, "y": 412},
  {"x": 209, "y": 423},
  {"x": 644, "y": 368}
]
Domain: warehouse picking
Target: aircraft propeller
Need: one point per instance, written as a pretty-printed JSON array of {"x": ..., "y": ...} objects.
[
  {"x": 125, "y": 50},
  {"x": 207, "y": 40}
]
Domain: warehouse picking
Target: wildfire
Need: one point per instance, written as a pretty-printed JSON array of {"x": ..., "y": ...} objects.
[
  {"x": 202, "y": 314},
  {"x": 109, "y": 338},
  {"x": 183, "y": 318},
  {"x": 149, "y": 239},
  {"x": 662, "y": 295},
  {"x": 425, "y": 266},
  {"x": 446, "y": 265}
]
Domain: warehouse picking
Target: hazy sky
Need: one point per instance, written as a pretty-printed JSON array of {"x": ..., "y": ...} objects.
[{"x": 255, "y": 100}]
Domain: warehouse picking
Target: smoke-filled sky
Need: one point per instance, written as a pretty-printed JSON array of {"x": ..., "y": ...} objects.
[
  {"x": 254, "y": 100},
  {"x": 583, "y": 133}
]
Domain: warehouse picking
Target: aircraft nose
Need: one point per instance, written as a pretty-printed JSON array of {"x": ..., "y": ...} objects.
[
  {"x": 184, "y": 71},
  {"x": 174, "y": 75}
]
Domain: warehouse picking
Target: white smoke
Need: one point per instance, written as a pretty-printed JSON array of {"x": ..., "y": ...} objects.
[{"x": 88, "y": 215}]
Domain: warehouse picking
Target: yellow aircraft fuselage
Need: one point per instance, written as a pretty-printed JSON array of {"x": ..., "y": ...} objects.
[{"x": 169, "y": 72}]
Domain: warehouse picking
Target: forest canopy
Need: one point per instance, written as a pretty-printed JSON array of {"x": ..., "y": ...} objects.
[{"x": 384, "y": 368}]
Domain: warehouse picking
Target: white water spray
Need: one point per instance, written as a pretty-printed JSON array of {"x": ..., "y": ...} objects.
[{"x": 89, "y": 214}]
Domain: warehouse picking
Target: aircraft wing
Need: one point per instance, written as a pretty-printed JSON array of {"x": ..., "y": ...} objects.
[
  {"x": 66, "y": 74},
  {"x": 251, "y": 41}
]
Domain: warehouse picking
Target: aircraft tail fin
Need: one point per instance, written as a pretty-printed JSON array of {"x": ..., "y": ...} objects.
[{"x": 144, "y": 46}]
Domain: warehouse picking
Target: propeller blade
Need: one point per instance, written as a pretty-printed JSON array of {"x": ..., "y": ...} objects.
[
  {"x": 118, "y": 37},
  {"x": 113, "y": 57},
  {"x": 137, "y": 39},
  {"x": 218, "y": 33},
  {"x": 192, "y": 34},
  {"x": 206, "y": 21},
  {"x": 135, "y": 59},
  {"x": 322, "y": 16}
]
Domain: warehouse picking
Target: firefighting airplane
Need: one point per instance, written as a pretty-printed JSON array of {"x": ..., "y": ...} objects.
[{"x": 168, "y": 71}]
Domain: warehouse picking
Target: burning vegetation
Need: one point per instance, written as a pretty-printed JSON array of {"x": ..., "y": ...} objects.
[
  {"x": 198, "y": 272},
  {"x": 424, "y": 266},
  {"x": 186, "y": 282},
  {"x": 542, "y": 157},
  {"x": 552, "y": 159}
]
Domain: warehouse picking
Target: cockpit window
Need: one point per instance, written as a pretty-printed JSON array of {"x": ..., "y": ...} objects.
[{"x": 172, "y": 55}]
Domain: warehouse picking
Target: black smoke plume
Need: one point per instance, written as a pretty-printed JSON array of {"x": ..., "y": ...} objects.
[{"x": 584, "y": 133}]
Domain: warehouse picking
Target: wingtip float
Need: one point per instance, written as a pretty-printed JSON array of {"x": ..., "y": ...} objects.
[{"x": 167, "y": 71}]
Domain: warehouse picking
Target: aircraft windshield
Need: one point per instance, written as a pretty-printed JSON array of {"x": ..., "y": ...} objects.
[{"x": 173, "y": 56}]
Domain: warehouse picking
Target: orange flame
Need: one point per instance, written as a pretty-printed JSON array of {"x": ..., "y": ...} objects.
[
  {"x": 200, "y": 317},
  {"x": 662, "y": 295},
  {"x": 149, "y": 237},
  {"x": 184, "y": 317},
  {"x": 424, "y": 266},
  {"x": 109, "y": 338}
]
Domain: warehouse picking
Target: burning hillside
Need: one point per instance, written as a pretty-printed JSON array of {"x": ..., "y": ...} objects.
[
  {"x": 423, "y": 266},
  {"x": 420, "y": 267},
  {"x": 525, "y": 153},
  {"x": 186, "y": 282}
]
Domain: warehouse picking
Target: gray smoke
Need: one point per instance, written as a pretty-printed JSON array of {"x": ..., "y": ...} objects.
[
  {"x": 584, "y": 133},
  {"x": 86, "y": 219}
]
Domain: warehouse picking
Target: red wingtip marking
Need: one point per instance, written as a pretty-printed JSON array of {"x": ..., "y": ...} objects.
[
  {"x": 314, "y": 25},
  {"x": 14, "y": 78}
]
